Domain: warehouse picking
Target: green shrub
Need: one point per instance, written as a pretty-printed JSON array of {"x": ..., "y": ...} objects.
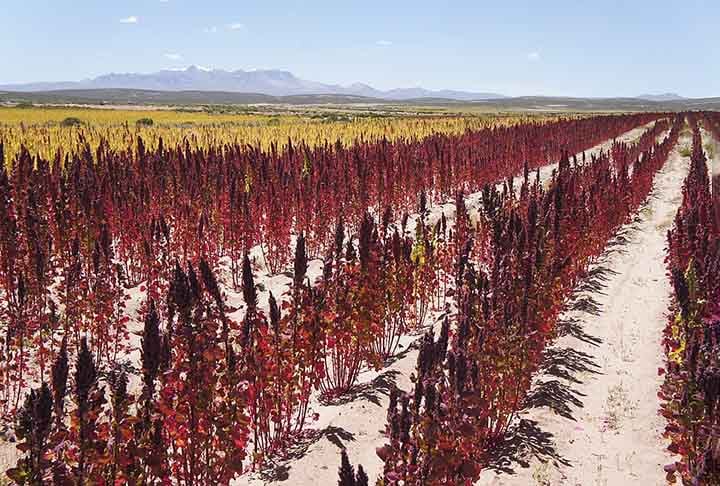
[
  {"x": 71, "y": 121},
  {"x": 710, "y": 150},
  {"x": 145, "y": 122}
]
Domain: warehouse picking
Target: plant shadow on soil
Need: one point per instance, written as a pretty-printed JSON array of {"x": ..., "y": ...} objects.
[
  {"x": 279, "y": 469},
  {"x": 379, "y": 386},
  {"x": 523, "y": 440},
  {"x": 563, "y": 368},
  {"x": 371, "y": 391},
  {"x": 526, "y": 439}
]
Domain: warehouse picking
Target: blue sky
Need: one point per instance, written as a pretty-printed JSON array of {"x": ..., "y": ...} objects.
[{"x": 582, "y": 48}]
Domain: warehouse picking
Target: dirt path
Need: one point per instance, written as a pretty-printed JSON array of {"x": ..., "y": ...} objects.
[{"x": 614, "y": 434}]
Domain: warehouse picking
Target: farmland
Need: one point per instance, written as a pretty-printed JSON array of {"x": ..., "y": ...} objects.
[
  {"x": 189, "y": 297},
  {"x": 56, "y": 131}
]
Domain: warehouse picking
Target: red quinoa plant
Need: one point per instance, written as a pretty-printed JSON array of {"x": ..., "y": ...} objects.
[{"x": 691, "y": 387}]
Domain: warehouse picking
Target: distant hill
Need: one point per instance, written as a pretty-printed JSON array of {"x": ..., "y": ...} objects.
[
  {"x": 139, "y": 97},
  {"x": 269, "y": 82},
  {"x": 661, "y": 97}
]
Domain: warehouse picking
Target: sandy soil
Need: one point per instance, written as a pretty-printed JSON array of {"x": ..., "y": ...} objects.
[
  {"x": 614, "y": 435},
  {"x": 712, "y": 151}
]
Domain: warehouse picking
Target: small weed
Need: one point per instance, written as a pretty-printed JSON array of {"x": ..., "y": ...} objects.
[
  {"x": 617, "y": 407},
  {"x": 71, "y": 121},
  {"x": 541, "y": 474},
  {"x": 710, "y": 150}
]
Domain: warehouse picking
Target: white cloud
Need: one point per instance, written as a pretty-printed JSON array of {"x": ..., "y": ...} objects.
[
  {"x": 236, "y": 26},
  {"x": 173, "y": 56},
  {"x": 164, "y": 1},
  {"x": 210, "y": 30},
  {"x": 384, "y": 43},
  {"x": 534, "y": 56},
  {"x": 129, "y": 20}
]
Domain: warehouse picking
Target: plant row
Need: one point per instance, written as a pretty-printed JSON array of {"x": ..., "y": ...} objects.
[
  {"x": 518, "y": 267},
  {"x": 690, "y": 392}
]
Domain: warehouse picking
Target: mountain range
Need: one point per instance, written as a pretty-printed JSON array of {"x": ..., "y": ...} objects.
[
  {"x": 271, "y": 82},
  {"x": 259, "y": 86}
]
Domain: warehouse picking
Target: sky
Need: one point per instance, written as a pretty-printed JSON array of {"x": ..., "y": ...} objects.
[{"x": 538, "y": 47}]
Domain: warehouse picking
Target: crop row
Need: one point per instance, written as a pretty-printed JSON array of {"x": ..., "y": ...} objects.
[
  {"x": 515, "y": 272},
  {"x": 691, "y": 388}
]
